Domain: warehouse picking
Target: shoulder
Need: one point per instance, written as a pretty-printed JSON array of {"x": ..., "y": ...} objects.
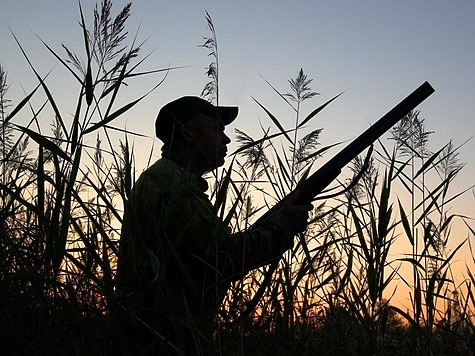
[
  {"x": 165, "y": 177},
  {"x": 163, "y": 173}
]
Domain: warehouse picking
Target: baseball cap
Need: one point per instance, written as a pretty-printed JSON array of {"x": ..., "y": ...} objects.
[{"x": 184, "y": 109}]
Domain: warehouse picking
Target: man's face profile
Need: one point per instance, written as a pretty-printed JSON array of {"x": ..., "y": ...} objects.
[{"x": 209, "y": 141}]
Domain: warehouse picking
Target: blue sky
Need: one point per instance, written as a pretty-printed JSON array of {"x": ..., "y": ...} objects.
[{"x": 378, "y": 51}]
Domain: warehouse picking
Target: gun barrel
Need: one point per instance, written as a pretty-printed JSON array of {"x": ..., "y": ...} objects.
[
  {"x": 368, "y": 137},
  {"x": 319, "y": 180}
]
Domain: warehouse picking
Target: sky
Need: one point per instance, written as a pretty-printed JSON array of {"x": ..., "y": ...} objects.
[{"x": 376, "y": 52}]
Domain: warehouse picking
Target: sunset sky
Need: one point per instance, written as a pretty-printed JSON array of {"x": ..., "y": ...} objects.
[{"x": 376, "y": 51}]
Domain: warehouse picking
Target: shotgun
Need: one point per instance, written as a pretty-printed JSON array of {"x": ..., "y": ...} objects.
[{"x": 318, "y": 181}]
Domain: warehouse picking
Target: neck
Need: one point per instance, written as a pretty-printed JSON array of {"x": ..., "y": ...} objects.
[{"x": 186, "y": 158}]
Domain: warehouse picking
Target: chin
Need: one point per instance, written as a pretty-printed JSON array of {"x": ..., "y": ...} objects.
[{"x": 219, "y": 162}]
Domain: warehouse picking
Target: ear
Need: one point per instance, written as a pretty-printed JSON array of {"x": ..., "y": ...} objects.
[{"x": 186, "y": 134}]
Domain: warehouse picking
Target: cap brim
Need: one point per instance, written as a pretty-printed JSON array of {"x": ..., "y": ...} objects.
[{"x": 228, "y": 113}]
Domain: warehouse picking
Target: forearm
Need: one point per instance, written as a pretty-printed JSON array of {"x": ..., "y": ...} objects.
[{"x": 243, "y": 251}]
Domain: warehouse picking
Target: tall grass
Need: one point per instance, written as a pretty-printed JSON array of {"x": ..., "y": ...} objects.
[
  {"x": 62, "y": 193},
  {"x": 62, "y": 196},
  {"x": 341, "y": 278}
]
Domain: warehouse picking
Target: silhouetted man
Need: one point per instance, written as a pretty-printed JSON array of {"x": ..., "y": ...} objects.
[{"x": 177, "y": 257}]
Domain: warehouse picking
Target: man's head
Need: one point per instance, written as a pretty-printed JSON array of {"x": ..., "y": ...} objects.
[{"x": 193, "y": 125}]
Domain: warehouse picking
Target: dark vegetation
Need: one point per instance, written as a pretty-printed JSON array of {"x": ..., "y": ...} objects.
[{"x": 60, "y": 218}]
